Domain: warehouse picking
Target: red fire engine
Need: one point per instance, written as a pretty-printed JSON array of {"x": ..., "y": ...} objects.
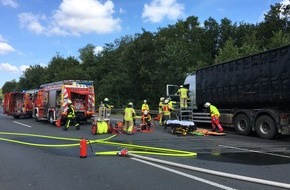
[
  {"x": 18, "y": 104},
  {"x": 50, "y": 102}
]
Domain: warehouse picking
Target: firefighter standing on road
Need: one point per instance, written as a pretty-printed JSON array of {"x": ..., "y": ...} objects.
[
  {"x": 105, "y": 109},
  {"x": 128, "y": 118},
  {"x": 106, "y": 104},
  {"x": 183, "y": 96},
  {"x": 166, "y": 111},
  {"x": 71, "y": 117},
  {"x": 215, "y": 114},
  {"x": 160, "y": 110}
]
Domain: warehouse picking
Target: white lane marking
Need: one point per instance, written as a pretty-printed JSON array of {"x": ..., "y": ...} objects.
[
  {"x": 21, "y": 124},
  {"x": 185, "y": 175},
  {"x": 255, "y": 151}
]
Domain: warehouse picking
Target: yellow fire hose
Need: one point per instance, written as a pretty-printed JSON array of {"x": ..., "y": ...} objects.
[{"x": 135, "y": 149}]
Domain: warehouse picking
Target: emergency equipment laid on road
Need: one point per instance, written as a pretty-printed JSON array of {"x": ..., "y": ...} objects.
[{"x": 180, "y": 127}]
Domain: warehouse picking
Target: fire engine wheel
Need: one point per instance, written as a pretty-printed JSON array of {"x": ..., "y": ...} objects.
[
  {"x": 16, "y": 116},
  {"x": 51, "y": 120},
  {"x": 266, "y": 127},
  {"x": 242, "y": 124},
  {"x": 35, "y": 116}
]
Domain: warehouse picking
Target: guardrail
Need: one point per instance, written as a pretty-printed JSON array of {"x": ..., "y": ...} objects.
[{"x": 138, "y": 112}]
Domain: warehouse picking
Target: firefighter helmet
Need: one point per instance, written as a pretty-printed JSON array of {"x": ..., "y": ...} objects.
[
  {"x": 69, "y": 101},
  {"x": 166, "y": 101},
  {"x": 162, "y": 99},
  {"x": 207, "y": 104},
  {"x": 106, "y": 99},
  {"x": 181, "y": 86},
  {"x": 130, "y": 104}
]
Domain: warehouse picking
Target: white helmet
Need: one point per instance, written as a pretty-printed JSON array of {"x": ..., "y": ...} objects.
[
  {"x": 145, "y": 101},
  {"x": 166, "y": 101},
  {"x": 181, "y": 86},
  {"x": 106, "y": 99},
  {"x": 146, "y": 112},
  {"x": 162, "y": 98},
  {"x": 130, "y": 104},
  {"x": 206, "y": 105},
  {"x": 69, "y": 101}
]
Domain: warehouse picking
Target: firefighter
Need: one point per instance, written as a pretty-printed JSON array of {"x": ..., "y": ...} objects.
[
  {"x": 160, "y": 110},
  {"x": 171, "y": 102},
  {"x": 183, "y": 95},
  {"x": 145, "y": 106},
  {"x": 129, "y": 115},
  {"x": 71, "y": 117},
  {"x": 106, "y": 104},
  {"x": 166, "y": 111},
  {"x": 215, "y": 114},
  {"x": 105, "y": 109},
  {"x": 146, "y": 120}
]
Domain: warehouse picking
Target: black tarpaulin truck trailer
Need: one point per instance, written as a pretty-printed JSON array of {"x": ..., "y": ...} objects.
[{"x": 252, "y": 93}]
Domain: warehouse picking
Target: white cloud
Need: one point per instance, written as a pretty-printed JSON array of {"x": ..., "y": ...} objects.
[
  {"x": 8, "y": 67},
  {"x": 5, "y": 48},
  {"x": 157, "y": 10},
  {"x": 32, "y": 22},
  {"x": 74, "y": 17},
  {"x": 98, "y": 49},
  {"x": 9, "y": 3},
  {"x": 23, "y": 67}
]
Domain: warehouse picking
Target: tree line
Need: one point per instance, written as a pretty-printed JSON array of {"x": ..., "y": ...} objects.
[{"x": 138, "y": 67}]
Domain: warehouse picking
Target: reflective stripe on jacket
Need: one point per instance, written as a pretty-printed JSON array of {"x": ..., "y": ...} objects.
[{"x": 71, "y": 111}]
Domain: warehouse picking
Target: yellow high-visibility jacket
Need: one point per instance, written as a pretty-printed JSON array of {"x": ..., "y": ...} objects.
[
  {"x": 129, "y": 114},
  {"x": 214, "y": 111}
]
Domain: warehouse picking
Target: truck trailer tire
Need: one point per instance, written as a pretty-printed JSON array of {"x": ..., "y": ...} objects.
[
  {"x": 242, "y": 124},
  {"x": 266, "y": 127}
]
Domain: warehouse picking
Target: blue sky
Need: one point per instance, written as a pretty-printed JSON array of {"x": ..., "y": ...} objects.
[{"x": 33, "y": 31}]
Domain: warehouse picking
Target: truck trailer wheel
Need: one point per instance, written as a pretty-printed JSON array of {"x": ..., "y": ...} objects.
[
  {"x": 266, "y": 127},
  {"x": 242, "y": 124}
]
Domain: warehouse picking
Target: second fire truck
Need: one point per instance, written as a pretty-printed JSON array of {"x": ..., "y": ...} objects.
[{"x": 50, "y": 102}]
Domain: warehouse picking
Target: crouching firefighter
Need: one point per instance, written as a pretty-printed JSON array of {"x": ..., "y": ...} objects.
[{"x": 71, "y": 117}]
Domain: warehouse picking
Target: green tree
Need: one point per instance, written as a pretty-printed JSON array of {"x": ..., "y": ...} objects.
[
  {"x": 279, "y": 39},
  {"x": 32, "y": 78},
  {"x": 228, "y": 52},
  {"x": 9, "y": 86}
]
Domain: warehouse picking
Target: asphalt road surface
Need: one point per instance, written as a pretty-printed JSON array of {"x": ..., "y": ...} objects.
[{"x": 38, "y": 155}]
